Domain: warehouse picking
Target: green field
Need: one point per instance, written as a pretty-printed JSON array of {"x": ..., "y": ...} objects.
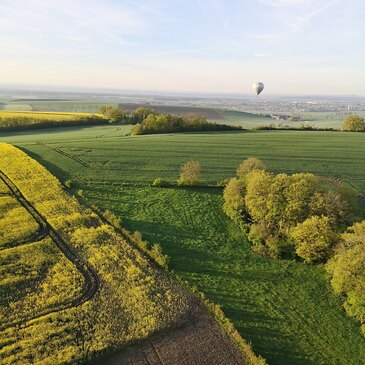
[
  {"x": 252, "y": 119},
  {"x": 119, "y": 158},
  {"x": 286, "y": 309},
  {"x": 243, "y": 119}
]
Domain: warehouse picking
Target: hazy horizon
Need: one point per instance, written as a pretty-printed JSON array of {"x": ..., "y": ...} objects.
[
  {"x": 296, "y": 47},
  {"x": 118, "y": 92}
]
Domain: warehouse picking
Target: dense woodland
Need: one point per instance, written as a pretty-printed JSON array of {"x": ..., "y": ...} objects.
[{"x": 303, "y": 216}]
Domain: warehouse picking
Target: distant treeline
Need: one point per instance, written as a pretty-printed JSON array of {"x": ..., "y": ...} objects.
[
  {"x": 148, "y": 121},
  {"x": 302, "y": 127},
  {"x": 24, "y": 122},
  {"x": 166, "y": 123},
  {"x": 353, "y": 123}
]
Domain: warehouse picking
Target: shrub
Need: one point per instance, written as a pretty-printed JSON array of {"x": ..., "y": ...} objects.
[
  {"x": 354, "y": 123},
  {"x": 68, "y": 184},
  {"x": 158, "y": 256},
  {"x": 113, "y": 219},
  {"x": 189, "y": 173},
  {"x": 159, "y": 182},
  {"x": 222, "y": 183},
  {"x": 137, "y": 129}
]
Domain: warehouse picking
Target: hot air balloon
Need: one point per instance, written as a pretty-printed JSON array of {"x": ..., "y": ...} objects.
[{"x": 258, "y": 87}]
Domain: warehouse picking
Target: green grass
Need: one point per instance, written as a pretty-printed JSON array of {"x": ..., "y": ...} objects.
[
  {"x": 243, "y": 119},
  {"x": 116, "y": 157},
  {"x": 286, "y": 309},
  {"x": 16, "y": 106}
]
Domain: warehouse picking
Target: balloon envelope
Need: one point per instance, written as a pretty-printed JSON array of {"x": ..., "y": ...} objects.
[{"x": 258, "y": 87}]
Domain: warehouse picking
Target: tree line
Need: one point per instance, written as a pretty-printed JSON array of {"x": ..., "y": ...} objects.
[
  {"x": 353, "y": 123},
  {"x": 148, "y": 121}
]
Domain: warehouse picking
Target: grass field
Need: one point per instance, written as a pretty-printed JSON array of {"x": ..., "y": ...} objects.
[
  {"x": 119, "y": 158},
  {"x": 286, "y": 309},
  {"x": 243, "y": 119}
]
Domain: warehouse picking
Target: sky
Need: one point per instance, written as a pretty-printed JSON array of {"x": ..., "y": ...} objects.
[{"x": 307, "y": 47}]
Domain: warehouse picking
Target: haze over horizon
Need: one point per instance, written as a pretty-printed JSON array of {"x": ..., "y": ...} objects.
[{"x": 302, "y": 47}]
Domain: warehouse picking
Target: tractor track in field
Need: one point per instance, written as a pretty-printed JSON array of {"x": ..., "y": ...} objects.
[
  {"x": 91, "y": 278},
  {"x": 76, "y": 159},
  {"x": 40, "y": 235},
  {"x": 63, "y": 153}
]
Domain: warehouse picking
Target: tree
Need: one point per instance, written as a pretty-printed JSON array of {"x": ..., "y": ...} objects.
[
  {"x": 141, "y": 113},
  {"x": 298, "y": 195},
  {"x": 114, "y": 115},
  {"x": 314, "y": 238},
  {"x": 149, "y": 123},
  {"x": 258, "y": 183},
  {"x": 196, "y": 122},
  {"x": 234, "y": 200},
  {"x": 105, "y": 109},
  {"x": 189, "y": 173},
  {"x": 347, "y": 270},
  {"x": 332, "y": 205},
  {"x": 137, "y": 129},
  {"x": 354, "y": 123},
  {"x": 248, "y": 165},
  {"x": 163, "y": 123}
]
